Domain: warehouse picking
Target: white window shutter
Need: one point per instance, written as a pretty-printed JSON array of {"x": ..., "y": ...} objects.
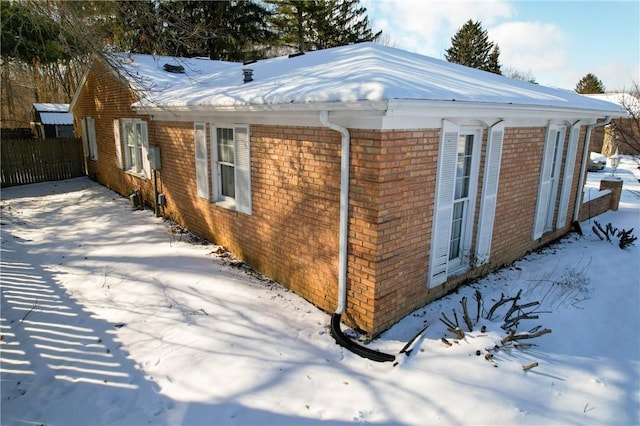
[
  {"x": 544, "y": 188},
  {"x": 118, "y": 142},
  {"x": 567, "y": 180},
  {"x": 85, "y": 136},
  {"x": 489, "y": 193},
  {"x": 202, "y": 172},
  {"x": 214, "y": 164},
  {"x": 443, "y": 206},
  {"x": 243, "y": 169},
  {"x": 92, "y": 138},
  {"x": 146, "y": 165}
]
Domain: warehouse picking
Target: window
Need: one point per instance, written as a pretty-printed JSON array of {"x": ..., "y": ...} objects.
[
  {"x": 89, "y": 138},
  {"x": 136, "y": 147},
  {"x": 549, "y": 178},
  {"x": 202, "y": 175},
  {"x": 455, "y": 202},
  {"x": 231, "y": 163},
  {"x": 461, "y": 222},
  {"x": 226, "y": 164},
  {"x": 567, "y": 180}
]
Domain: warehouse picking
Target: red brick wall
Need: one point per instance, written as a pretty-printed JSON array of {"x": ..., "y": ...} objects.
[
  {"x": 105, "y": 98},
  {"x": 292, "y": 233},
  {"x": 407, "y": 190}
]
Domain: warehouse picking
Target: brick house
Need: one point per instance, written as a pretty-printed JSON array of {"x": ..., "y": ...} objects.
[
  {"x": 367, "y": 179},
  {"x": 622, "y": 134}
]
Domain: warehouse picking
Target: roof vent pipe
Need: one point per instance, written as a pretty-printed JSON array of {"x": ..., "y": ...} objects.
[
  {"x": 336, "y": 332},
  {"x": 248, "y": 75}
]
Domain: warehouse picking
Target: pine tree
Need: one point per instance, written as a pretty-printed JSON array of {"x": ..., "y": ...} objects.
[
  {"x": 589, "y": 84},
  {"x": 494, "y": 61},
  {"x": 225, "y": 30},
  {"x": 293, "y": 20},
  {"x": 320, "y": 24},
  {"x": 347, "y": 24},
  {"x": 30, "y": 37},
  {"x": 470, "y": 46}
]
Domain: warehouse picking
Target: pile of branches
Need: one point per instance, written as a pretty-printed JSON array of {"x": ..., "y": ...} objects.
[
  {"x": 515, "y": 315},
  {"x": 625, "y": 237}
]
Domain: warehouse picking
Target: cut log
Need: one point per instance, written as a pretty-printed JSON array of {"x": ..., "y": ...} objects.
[
  {"x": 465, "y": 314},
  {"x": 513, "y": 336}
]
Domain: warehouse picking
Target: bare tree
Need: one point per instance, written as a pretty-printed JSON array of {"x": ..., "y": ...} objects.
[
  {"x": 627, "y": 130},
  {"x": 519, "y": 75},
  {"x": 622, "y": 134}
]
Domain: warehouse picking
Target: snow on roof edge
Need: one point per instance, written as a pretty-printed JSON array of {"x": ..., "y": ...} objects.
[
  {"x": 50, "y": 107},
  {"x": 360, "y": 72}
]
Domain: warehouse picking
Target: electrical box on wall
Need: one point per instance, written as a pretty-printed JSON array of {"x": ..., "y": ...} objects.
[{"x": 154, "y": 157}]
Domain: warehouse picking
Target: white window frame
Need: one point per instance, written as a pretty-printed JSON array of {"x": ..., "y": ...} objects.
[
  {"x": 136, "y": 150},
  {"x": 440, "y": 266},
  {"x": 89, "y": 141},
  {"x": 241, "y": 202},
  {"x": 549, "y": 180},
  {"x": 462, "y": 261},
  {"x": 567, "y": 180}
]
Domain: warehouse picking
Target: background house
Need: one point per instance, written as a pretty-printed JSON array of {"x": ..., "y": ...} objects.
[
  {"x": 367, "y": 179},
  {"x": 51, "y": 121},
  {"x": 622, "y": 133}
]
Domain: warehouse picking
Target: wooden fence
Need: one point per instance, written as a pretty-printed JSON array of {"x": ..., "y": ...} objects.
[{"x": 25, "y": 161}]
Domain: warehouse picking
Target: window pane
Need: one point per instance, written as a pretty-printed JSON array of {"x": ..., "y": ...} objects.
[
  {"x": 463, "y": 168},
  {"x": 555, "y": 155},
  {"x": 200, "y": 143},
  {"x": 132, "y": 157},
  {"x": 128, "y": 129},
  {"x": 227, "y": 181},
  {"x": 456, "y": 229},
  {"x": 131, "y": 144},
  {"x": 225, "y": 145}
]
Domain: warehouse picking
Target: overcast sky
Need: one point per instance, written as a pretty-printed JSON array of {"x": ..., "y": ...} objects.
[{"x": 556, "y": 42}]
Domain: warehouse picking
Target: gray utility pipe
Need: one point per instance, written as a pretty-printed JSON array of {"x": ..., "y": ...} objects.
[
  {"x": 336, "y": 332},
  {"x": 585, "y": 155}
]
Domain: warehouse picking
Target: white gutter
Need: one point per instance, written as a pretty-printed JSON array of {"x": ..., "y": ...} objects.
[
  {"x": 344, "y": 209},
  {"x": 336, "y": 332},
  {"x": 585, "y": 154},
  {"x": 393, "y": 108}
]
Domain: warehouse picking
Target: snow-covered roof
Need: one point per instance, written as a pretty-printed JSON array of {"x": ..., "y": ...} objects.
[
  {"x": 58, "y": 118},
  {"x": 623, "y": 99},
  {"x": 47, "y": 107},
  {"x": 365, "y": 72}
]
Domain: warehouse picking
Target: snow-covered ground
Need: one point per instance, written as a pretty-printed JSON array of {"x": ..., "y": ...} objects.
[{"x": 108, "y": 317}]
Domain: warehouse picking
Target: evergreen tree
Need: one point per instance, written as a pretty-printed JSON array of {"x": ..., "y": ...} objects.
[
  {"x": 29, "y": 37},
  {"x": 225, "y": 30},
  {"x": 293, "y": 21},
  {"x": 589, "y": 84},
  {"x": 470, "y": 46},
  {"x": 136, "y": 27},
  {"x": 494, "y": 61},
  {"x": 320, "y": 24},
  {"x": 347, "y": 23}
]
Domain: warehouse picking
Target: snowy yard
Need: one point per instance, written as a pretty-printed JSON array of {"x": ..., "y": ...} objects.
[{"x": 109, "y": 318}]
